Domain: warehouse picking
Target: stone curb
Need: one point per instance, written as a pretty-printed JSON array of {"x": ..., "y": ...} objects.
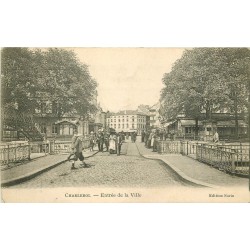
[
  {"x": 33, "y": 174},
  {"x": 181, "y": 173}
]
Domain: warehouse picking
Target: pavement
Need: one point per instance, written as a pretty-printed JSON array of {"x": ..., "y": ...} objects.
[
  {"x": 39, "y": 164},
  {"x": 195, "y": 171},
  {"x": 126, "y": 169}
]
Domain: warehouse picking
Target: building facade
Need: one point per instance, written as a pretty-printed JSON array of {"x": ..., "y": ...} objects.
[
  {"x": 127, "y": 121},
  {"x": 155, "y": 117},
  {"x": 223, "y": 123}
]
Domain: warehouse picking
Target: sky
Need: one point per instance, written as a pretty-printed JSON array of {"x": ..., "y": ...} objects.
[{"x": 128, "y": 77}]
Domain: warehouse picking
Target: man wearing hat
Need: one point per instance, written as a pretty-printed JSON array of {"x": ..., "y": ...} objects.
[
  {"x": 106, "y": 141},
  {"x": 92, "y": 140},
  {"x": 77, "y": 148},
  {"x": 118, "y": 143},
  {"x": 100, "y": 140}
]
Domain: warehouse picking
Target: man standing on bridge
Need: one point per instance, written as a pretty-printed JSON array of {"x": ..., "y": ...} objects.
[
  {"x": 77, "y": 148},
  {"x": 118, "y": 143}
]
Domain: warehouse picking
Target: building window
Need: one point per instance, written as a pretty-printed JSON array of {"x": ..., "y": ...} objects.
[
  {"x": 119, "y": 126},
  {"x": 127, "y": 125},
  {"x": 122, "y": 125},
  {"x": 43, "y": 128},
  {"x": 188, "y": 130},
  {"x": 132, "y": 125},
  {"x": 114, "y": 126},
  {"x": 71, "y": 129},
  {"x": 119, "y": 120},
  {"x": 54, "y": 129}
]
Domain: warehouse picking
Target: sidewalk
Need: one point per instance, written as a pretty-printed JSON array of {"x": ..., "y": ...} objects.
[
  {"x": 36, "y": 166},
  {"x": 195, "y": 171}
]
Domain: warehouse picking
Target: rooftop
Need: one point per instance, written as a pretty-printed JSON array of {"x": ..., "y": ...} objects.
[{"x": 126, "y": 112}]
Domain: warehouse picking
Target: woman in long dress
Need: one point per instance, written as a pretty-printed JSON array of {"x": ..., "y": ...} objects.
[{"x": 112, "y": 143}]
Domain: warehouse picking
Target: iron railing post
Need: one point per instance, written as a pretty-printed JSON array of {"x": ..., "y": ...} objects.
[{"x": 8, "y": 154}]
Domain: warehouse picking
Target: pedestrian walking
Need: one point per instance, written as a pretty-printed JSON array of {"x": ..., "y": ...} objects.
[
  {"x": 73, "y": 140},
  {"x": 76, "y": 148},
  {"x": 152, "y": 139},
  {"x": 142, "y": 136},
  {"x": 92, "y": 140},
  {"x": 156, "y": 137},
  {"x": 216, "y": 137},
  {"x": 106, "y": 141},
  {"x": 112, "y": 143},
  {"x": 118, "y": 143},
  {"x": 100, "y": 141},
  {"x": 127, "y": 136}
]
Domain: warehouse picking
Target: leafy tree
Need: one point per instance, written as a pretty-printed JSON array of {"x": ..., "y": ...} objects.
[
  {"x": 206, "y": 80},
  {"x": 31, "y": 75},
  {"x": 64, "y": 77},
  {"x": 18, "y": 81},
  {"x": 56, "y": 73},
  {"x": 236, "y": 63}
]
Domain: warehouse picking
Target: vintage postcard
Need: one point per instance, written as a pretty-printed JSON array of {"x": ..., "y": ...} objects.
[{"x": 125, "y": 125}]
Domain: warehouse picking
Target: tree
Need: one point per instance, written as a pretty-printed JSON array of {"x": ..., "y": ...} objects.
[
  {"x": 236, "y": 62},
  {"x": 18, "y": 80},
  {"x": 56, "y": 73},
  {"x": 64, "y": 77},
  {"x": 204, "y": 80},
  {"x": 30, "y": 75}
]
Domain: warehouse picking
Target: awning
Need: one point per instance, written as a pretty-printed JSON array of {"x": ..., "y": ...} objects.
[
  {"x": 66, "y": 122},
  {"x": 189, "y": 123}
]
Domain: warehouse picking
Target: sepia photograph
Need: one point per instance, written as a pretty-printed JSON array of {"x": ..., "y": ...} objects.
[{"x": 125, "y": 124}]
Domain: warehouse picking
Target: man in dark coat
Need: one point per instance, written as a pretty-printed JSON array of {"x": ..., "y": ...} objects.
[
  {"x": 100, "y": 141},
  {"x": 118, "y": 143},
  {"x": 106, "y": 141}
]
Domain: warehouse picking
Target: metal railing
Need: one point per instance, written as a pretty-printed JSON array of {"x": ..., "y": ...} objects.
[
  {"x": 188, "y": 148},
  {"x": 232, "y": 158},
  {"x": 14, "y": 153},
  {"x": 10, "y": 153},
  {"x": 63, "y": 147},
  {"x": 43, "y": 147},
  {"x": 169, "y": 147}
]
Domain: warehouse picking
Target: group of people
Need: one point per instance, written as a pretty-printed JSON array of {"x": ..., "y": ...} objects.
[
  {"x": 111, "y": 141},
  {"x": 150, "y": 138}
]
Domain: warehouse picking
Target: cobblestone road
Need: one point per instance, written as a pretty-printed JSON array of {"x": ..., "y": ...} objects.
[{"x": 105, "y": 170}]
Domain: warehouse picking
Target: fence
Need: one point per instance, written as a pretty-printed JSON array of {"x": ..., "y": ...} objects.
[
  {"x": 216, "y": 157},
  {"x": 169, "y": 147},
  {"x": 40, "y": 147},
  {"x": 14, "y": 153},
  {"x": 188, "y": 148},
  {"x": 21, "y": 151},
  {"x": 232, "y": 158},
  {"x": 229, "y": 158},
  {"x": 64, "y": 147}
]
